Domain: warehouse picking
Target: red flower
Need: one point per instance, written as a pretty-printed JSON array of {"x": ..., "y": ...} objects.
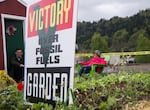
[{"x": 20, "y": 86}]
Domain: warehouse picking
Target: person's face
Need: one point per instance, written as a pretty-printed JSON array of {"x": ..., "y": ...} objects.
[
  {"x": 95, "y": 55},
  {"x": 19, "y": 53}
]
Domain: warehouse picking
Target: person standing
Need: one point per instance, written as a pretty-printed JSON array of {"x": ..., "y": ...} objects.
[{"x": 17, "y": 66}]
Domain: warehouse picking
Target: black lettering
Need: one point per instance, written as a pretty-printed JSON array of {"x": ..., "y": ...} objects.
[
  {"x": 52, "y": 49},
  {"x": 38, "y": 60},
  {"x": 55, "y": 49},
  {"x": 51, "y": 60},
  {"x": 37, "y": 50},
  {"x": 57, "y": 59},
  {"x": 53, "y": 38},
  {"x": 59, "y": 49}
]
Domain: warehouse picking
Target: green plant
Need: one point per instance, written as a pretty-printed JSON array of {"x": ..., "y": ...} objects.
[
  {"x": 11, "y": 99},
  {"x": 112, "y": 91},
  {"x": 41, "y": 106}
]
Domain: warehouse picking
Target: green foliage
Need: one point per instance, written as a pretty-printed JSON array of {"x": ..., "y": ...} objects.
[
  {"x": 132, "y": 42},
  {"x": 85, "y": 34},
  {"x": 5, "y": 80},
  {"x": 99, "y": 42},
  {"x": 142, "y": 59},
  {"x": 111, "y": 92},
  {"x": 125, "y": 29},
  {"x": 11, "y": 99},
  {"x": 143, "y": 43},
  {"x": 119, "y": 40},
  {"x": 41, "y": 106}
]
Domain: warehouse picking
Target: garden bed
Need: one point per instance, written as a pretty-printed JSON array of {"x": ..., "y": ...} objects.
[{"x": 112, "y": 92}]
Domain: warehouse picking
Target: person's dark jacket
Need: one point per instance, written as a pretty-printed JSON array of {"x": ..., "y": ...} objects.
[{"x": 16, "y": 71}]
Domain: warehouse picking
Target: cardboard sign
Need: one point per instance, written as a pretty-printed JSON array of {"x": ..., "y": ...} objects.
[{"x": 50, "y": 50}]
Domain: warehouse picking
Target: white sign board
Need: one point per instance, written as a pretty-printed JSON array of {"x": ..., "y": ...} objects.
[{"x": 50, "y": 50}]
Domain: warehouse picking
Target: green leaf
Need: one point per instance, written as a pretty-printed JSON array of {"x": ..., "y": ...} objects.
[
  {"x": 111, "y": 100},
  {"x": 103, "y": 105}
]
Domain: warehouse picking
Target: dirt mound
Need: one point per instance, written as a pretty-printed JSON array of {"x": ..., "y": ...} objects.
[{"x": 141, "y": 105}]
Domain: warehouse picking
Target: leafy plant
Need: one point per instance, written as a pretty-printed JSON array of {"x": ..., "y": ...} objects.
[
  {"x": 41, "y": 106},
  {"x": 112, "y": 92},
  {"x": 11, "y": 99}
]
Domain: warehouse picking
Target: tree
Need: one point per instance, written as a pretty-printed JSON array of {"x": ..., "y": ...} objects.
[
  {"x": 122, "y": 32},
  {"x": 132, "y": 42},
  {"x": 119, "y": 41},
  {"x": 99, "y": 42},
  {"x": 143, "y": 44}
]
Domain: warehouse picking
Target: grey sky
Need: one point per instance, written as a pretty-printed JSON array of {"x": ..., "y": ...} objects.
[{"x": 94, "y": 10}]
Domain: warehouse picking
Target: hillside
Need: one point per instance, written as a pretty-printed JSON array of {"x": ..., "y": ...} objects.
[{"x": 121, "y": 34}]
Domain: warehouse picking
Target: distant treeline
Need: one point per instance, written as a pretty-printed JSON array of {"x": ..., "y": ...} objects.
[{"x": 116, "y": 34}]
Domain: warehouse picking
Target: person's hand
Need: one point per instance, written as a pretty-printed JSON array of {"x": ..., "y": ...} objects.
[{"x": 21, "y": 65}]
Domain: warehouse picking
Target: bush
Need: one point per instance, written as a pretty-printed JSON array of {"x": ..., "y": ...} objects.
[
  {"x": 5, "y": 80},
  {"x": 12, "y": 99},
  {"x": 142, "y": 59}
]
